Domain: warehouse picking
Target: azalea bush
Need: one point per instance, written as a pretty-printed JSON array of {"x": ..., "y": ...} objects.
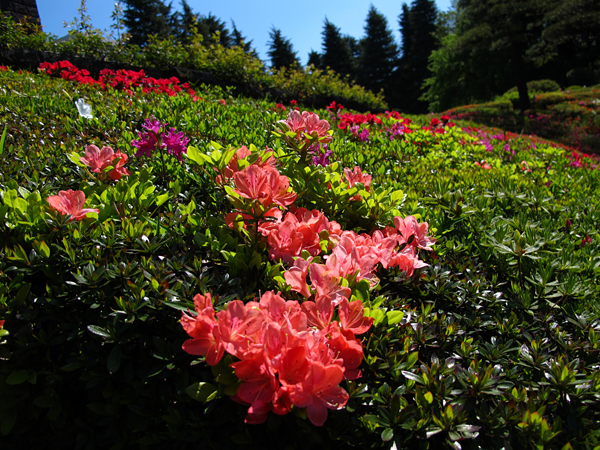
[
  {"x": 569, "y": 117},
  {"x": 230, "y": 273}
]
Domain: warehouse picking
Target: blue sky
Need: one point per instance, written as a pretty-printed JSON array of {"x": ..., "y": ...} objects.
[{"x": 301, "y": 22}]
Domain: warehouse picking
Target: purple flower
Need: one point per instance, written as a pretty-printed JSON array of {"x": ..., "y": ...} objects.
[
  {"x": 488, "y": 146},
  {"x": 151, "y": 140},
  {"x": 176, "y": 143},
  {"x": 153, "y": 126},
  {"x": 364, "y": 135},
  {"x": 146, "y": 145},
  {"x": 320, "y": 159}
]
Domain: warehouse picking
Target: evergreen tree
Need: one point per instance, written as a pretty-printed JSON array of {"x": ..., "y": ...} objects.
[
  {"x": 378, "y": 53},
  {"x": 417, "y": 28},
  {"x": 143, "y": 18},
  {"x": 314, "y": 59},
  {"x": 240, "y": 41},
  {"x": 337, "y": 54},
  {"x": 209, "y": 25},
  {"x": 188, "y": 21},
  {"x": 281, "y": 51}
]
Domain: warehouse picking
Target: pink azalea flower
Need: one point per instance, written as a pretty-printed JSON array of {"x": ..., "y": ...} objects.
[
  {"x": 409, "y": 226},
  {"x": 99, "y": 159},
  {"x": 316, "y": 127},
  {"x": 204, "y": 331},
  {"x": 320, "y": 391},
  {"x": 70, "y": 203},
  {"x": 356, "y": 176},
  {"x": 295, "y": 276}
]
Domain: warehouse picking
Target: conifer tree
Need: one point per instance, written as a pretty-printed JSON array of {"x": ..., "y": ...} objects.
[
  {"x": 281, "y": 51},
  {"x": 417, "y": 29},
  {"x": 209, "y": 25},
  {"x": 512, "y": 26},
  {"x": 337, "y": 54},
  {"x": 143, "y": 18},
  {"x": 239, "y": 40},
  {"x": 188, "y": 21},
  {"x": 314, "y": 59},
  {"x": 378, "y": 53}
]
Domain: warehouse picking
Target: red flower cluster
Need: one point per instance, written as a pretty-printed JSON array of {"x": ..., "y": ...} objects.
[
  {"x": 279, "y": 107},
  {"x": 301, "y": 230},
  {"x": 290, "y": 354},
  {"x": 357, "y": 119},
  {"x": 67, "y": 71},
  {"x": 126, "y": 80},
  {"x": 438, "y": 126}
]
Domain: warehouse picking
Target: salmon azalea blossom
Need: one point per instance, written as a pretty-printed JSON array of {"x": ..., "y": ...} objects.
[
  {"x": 284, "y": 360},
  {"x": 308, "y": 127},
  {"x": 70, "y": 203},
  {"x": 100, "y": 159},
  {"x": 265, "y": 185},
  {"x": 356, "y": 176}
]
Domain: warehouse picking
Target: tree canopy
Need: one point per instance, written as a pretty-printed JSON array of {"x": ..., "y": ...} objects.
[
  {"x": 281, "y": 51},
  {"x": 378, "y": 52}
]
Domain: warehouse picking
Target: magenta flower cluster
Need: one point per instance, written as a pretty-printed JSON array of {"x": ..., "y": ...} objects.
[
  {"x": 152, "y": 139},
  {"x": 321, "y": 154}
]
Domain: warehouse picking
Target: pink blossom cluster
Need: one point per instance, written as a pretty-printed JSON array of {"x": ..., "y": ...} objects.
[
  {"x": 100, "y": 159},
  {"x": 70, "y": 203},
  {"x": 298, "y": 231},
  {"x": 309, "y": 128},
  {"x": 152, "y": 139},
  {"x": 357, "y": 256},
  {"x": 242, "y": 153},
  {"x": 290, "y": 354},
  {"x": 354, "y": 176}
]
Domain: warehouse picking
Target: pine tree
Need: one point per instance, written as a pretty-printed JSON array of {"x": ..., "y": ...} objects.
[
  {"x": 378, "y": 53},
  {"x": 281, "y": 51},
  {"x": 337, "y": 54},
  {"x": 314, "y": 59},
  {"x": 188, "y": 22},
  {"x": 240, "y": 40},
  {"x": 209, "y": 25},
  {"x": 417, "y": 28},
  {"x": 143, "y": 18}
]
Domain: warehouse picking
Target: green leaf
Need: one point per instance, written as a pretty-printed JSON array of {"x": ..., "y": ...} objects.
[
  {"x": 196, "y": 155},
  {"x": 17, "y": 377},
  {"x": 394, "y": 317},
  {"x": 160, "y": 199},
  {"x": 114, "y": 359},
  {"x": 387, "y": 434},
  {"x": 202, "y": 392},
  {"x": 99, "y": 331},
  {"x": 75, "y": 158},
  {"x": 8, "y": 423},
  {"x": 2, "y": 140}
]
